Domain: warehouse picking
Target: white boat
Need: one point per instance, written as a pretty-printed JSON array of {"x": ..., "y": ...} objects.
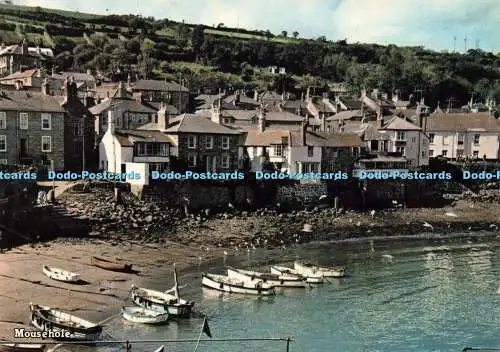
[
  {"x": 60, "y": 274},
  {"x": 143, "y": 315},
  {"x": 227, "y": 284},
  {"x": 21, "y": 347},
  {"x": 63, "y": 326},
  {"x": 307, "y": 269},
  {"x": 271, "y": 279},
  {"x": 160, "y": 349},
  {"x": 313, "y": 278}
]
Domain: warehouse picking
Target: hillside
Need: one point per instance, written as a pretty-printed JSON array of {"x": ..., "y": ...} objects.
[{"x": 208, "y": 57}]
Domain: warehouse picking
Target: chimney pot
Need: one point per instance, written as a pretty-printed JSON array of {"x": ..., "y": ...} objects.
[
  {"x": 303, "y": 132},
  {"x": 262, "y": 119},
  {"x": 111, "y": 122}
]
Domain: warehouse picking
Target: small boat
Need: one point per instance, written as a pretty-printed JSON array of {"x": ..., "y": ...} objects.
[
  {"x": 163, "y": 302},
  {"x": 307, "y": 269},
  {"x": 21, "y": 347},
  {"x": 271, "y": 279},
  {"x": 63, "y": 326},
  {"x": 160, "y": 349},
  {"x": 143, "y": 315},
  {"x": 312, "y": 278},
  {"x": 109, "y": 265},
  {"x": 231, "y": 285},
  {"x": 60, "y": 274}
]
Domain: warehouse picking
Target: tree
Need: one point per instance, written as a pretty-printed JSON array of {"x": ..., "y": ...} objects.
[
  {"x": 197, "y": 40},
  {"x": 295, "y": 34},
  {"x": 284, "y": 34}
]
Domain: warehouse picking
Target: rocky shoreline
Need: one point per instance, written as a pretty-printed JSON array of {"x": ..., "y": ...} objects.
[{"x": 133, "y": 220}]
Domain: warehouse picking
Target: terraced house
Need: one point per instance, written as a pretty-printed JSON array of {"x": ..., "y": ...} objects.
[{"x": 37, "y": 128}]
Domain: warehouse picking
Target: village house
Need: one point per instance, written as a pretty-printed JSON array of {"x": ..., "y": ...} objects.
[
  {"x": 127, "y": 112},
  {"x": 20, "y": 57},
  {"x": 155, "y": 92},
  {"x": 463, "y": 135},
  {"x": 37, "y": 128}
]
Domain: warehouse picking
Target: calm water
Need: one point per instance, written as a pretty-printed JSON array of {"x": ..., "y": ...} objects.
[{"x": 428, "y": 297}]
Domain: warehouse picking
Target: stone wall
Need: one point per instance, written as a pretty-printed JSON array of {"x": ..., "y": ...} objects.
[{"x": 301, "y": 192}]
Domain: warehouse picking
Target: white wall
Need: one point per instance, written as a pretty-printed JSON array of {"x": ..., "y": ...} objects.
[
  {"x": 488, "y": 144},
  {"x": 416, "y": 141},
  {"x": 299, "y": 154}
]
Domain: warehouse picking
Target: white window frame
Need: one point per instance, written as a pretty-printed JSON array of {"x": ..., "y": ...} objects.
[
  {"x": 431, "y": 138},
  {"x": 191, "y": 142},
  {"x": 310, "y": 152},
  {"x": 3, "y": 138},
  {"x": 225, "y": 161},
  {"x": 3, "y": 120},
  {"x": 23, "y": 120},
  {"x": 47, "y": 117},
  {"x": 225, "y": 142},
  {"x": 431, "y": 153},
  {"x": 193, "y": 156},
  {"x": 478, "y": 139},
  {"x": 475, "y": 154},
  {"x": 401, "y": 136},
  {"x": 278, "y": 150},
  {"x": 50, "y": 144},
  {"x": 401, "y": 150},
  {"x": 445, "y": 153},
  {"x": 207, "y": 144}
]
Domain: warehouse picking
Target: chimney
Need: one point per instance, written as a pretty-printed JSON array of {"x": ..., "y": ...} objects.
[
  {"x": 395, "y": 96},
  {"x": 262, "y": 119},
  {"x": 66, "y": 86},
  {"x": 302, "y": 96},
  {"x": 256, "y": 95},
  {"x": 379, "y": 117},
  {"x": 418, "y": 115},
  {"x": 236, "y": 100},
  {"x": 24, "y": 48},
  {"x": 216, "y": 115},
  {"x": 129, "y": 81},
  {"x": 283, "y": 96},
  {"x": 45, "y": 87},
  {"x": 323, "y": 123},
  {"x": 111, "y": 122},
  {"x": 308, "y": 93},
  {"x": 303, "y": 132},
  {"x": 163, "y": 120}
]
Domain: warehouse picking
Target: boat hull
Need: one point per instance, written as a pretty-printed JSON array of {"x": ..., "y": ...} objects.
[
  {"x": 312, "y": 270},
  {"x": 17, "y": 347},
  {"x": 211, "y": 282},
  {"x": 160, "y": 305},
  {"x": 112, "y": 266},
  {"x": 311, "y": 279},
  {"x": 141, "y": 316},
  {"x": 60, "y": 275},
  {"x": 63, "y": 326},
  {"x": 254, "y": 277}
]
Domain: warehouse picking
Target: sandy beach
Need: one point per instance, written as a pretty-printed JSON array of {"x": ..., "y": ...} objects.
[{"x": 22, "y": 280}]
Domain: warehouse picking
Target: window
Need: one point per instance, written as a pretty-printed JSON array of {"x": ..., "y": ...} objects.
[
  {"x": 460, "y": 153},
  {"x": 475, "y": 153},
  {"x": 3, "y": 162},
  {"x": 3, "y": 143},
  {"x": 192, "y": 142},
  {"x": 414, "y": 139},
  {"x": 423, "y": 153},
  {"x": 23, "y": 120},
  {"x": 46, "y": 121},
  {"x": 431, "y": 153},
  {"x": 225, "y": 142},
  {"x": 310, "y": 167},
  {"x": 310, "y": 151},
  {"x": 401, "y": 136},
  {"x": 401, "y": 150},
  {"x": 225, "y": 161},
  {"x": 46, "y": 144},
  {"x": 152, "y": 149},
  {"x": 191, "y": 160},
  {"x": 227, "y": 120},
  {"x": 209, "y": 142},
  {"x": 431, "y": 138},
  {"x": 476, "y": 139},
  {"x": 77, "y": 129},
  {"x": 445, "y": 153},
  {"x": 278, "y": 150},
  {"x": 3, "y": 120},
  {"x": 461, "y": 138},
  {"x": 255, "y": 151}
]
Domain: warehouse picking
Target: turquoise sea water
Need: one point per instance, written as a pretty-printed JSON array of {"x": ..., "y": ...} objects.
[{"x": 430, "y": 296}]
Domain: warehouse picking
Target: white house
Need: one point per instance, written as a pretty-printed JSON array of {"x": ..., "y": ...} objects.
[{"x": 461, "y": 135}]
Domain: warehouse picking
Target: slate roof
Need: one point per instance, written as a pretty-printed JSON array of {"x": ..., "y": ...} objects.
[
  {"x": 266, "y": 138},
  {"x": 345, "y": 115},
  {"x": 462, "y": 122},
  {"x": 30, "y": 101},
  {"x": 128, "y": 137},
  {"x": 351, "y": 104},
  {"x": 326, "y": 139},
  {"x": 156, "y": 85},
  {"x": 397, "y": 123},
  {"x": 121, "y": 104},
  {"x": 192, "y": 123}
]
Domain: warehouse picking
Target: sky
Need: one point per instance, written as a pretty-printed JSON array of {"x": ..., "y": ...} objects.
[{"x": 431, "y": 23}]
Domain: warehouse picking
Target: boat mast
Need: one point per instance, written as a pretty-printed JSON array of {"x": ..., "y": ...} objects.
[{"x": 176, "y": 285}]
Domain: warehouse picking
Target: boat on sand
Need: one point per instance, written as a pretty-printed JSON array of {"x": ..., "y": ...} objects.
[
  {"x": 143, "y": 315},
  {"x": 227, "y": 284},
  {"x": 271, "y": 279},
  {"x": 110, "y": 265},
  {"x": 60, "y": 274}
]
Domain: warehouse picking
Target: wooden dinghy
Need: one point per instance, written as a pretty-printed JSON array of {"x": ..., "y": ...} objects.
[
  {"x": 231, "y": 285},
  {"x": 19, "y": 347},
  {"x": 306, "y": 269},
  {"x": 143, "y": 315},
  {"x": 57, "y": 322},
  {"x": 60, "y": 274},
  {"x": 109, "y": 265},
  {"x": 271, "y": 279},
  {"x": 163, "y": 302},
  {"x": 312, "y": 278}
]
